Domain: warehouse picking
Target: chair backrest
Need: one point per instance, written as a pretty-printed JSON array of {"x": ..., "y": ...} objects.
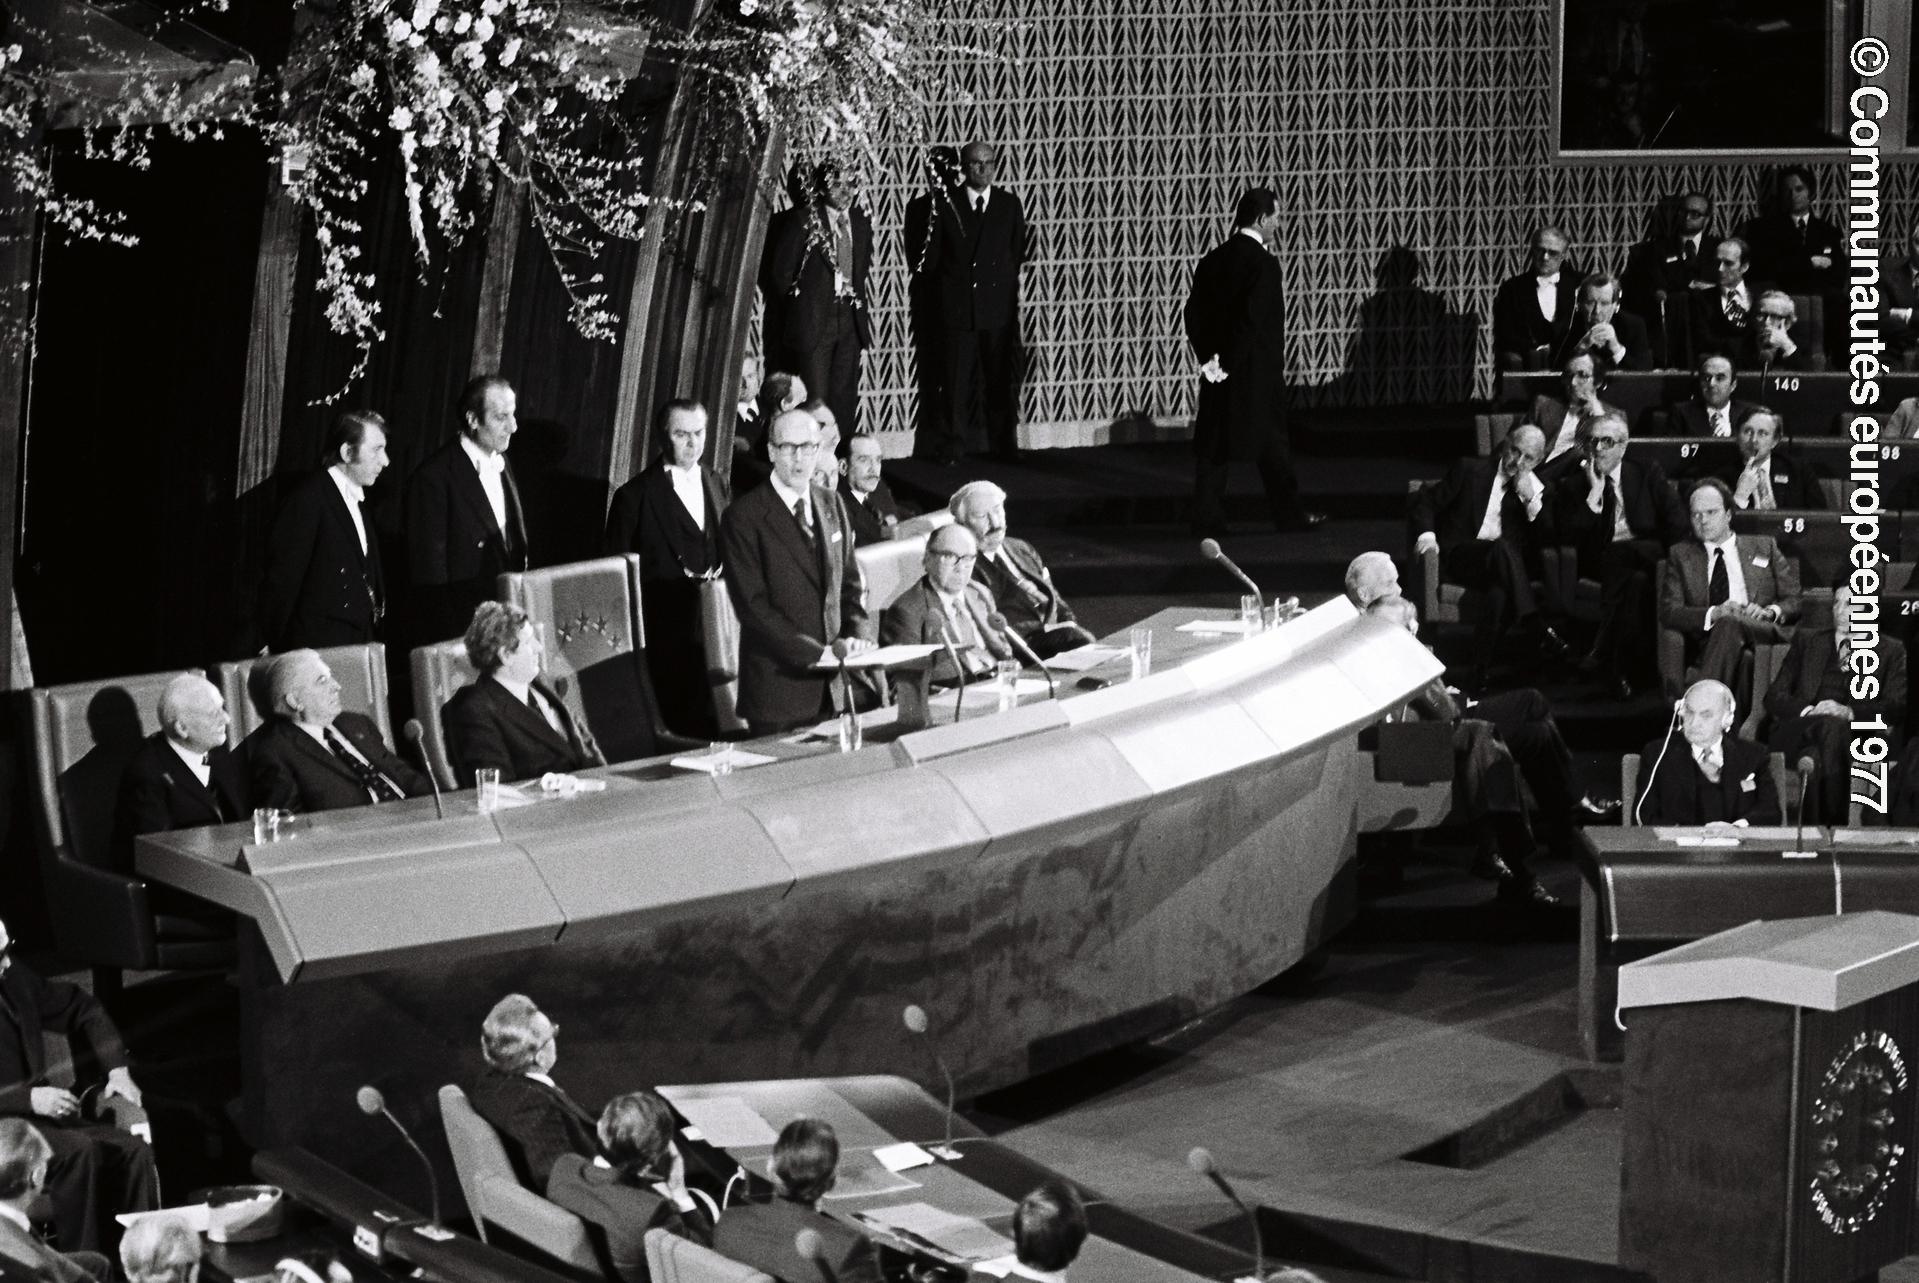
[
  {"x": 494, "y": 1195},
  {"x": 890, "y": 568},
  {"x": 1809, "y": 326},
  {"x": 1489, "y": 430},
  {"x": 1679, "y": 330},
  {"x": 1629, "y": 787},
  {"x": 438, "y": 671},
  {"x": 477, "y": 1152},
  {"x": 672, "y": 1259},
  {"x": 360, "y": 670},
  {"x": 589, "y": 615}
]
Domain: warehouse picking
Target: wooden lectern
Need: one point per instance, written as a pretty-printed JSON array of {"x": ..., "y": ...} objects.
[{"x": 1769, "y": 1102}]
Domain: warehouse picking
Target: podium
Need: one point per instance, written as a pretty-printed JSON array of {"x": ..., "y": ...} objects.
[{"x": 1769, "y": 1102}]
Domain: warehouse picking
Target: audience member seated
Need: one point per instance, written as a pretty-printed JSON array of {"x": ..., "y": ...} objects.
[
  {"x": 869, "y": 500},
  {"x": 1904, "y": 423},
  {"x": 636, "y": 1183},
  {"x": 948, "y": 605},
  {"x": 1769, "y": 346},
  {"x": 1485, "y": 521},
  {"x": 1705, "y": 774},
  {"x": 1769, "y": 476},
  {"x": 183, "y": 775},
  {"x": 161, "y": 1249},
  {"x": 1793, "y": 247},
  {"x": 536, "y": 1119},
  {"x": 1049, "y": 1228},
  {"x": 1533, "y": 311},
  {"x": 1369, "y": 577},
  {"x": 1899, "y": 294},
  {"x": 805, "y": 1165},
  {"x": 1599, "y": 327},
  {"x": 1621, "y": 514},
  {"x": 507, "y": 718},
  {"x": 1822, "y": 685},
  {"x": 310, "y": 756},
  {"x": 24, "y": 1160},
  {"x": 93, "y": 1171},
  {"x": 1012, "y": 571},
  {"x": 752, "y": 464},
  {"x": 1724, "y": 592},
  {"x": 1561, "y": 423},
  {"x": 1674, "y": 260},
  {"x": 1717, "y": 318},
  {"x": 1712, "y": 412}
]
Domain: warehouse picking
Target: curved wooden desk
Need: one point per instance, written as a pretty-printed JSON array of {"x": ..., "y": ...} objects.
[{"x": 1048, "y": 883}]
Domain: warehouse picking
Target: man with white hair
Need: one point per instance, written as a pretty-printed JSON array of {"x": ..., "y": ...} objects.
[
  {"x": 24, "y": 1158},
  {"x": 1013, "y": 573},
  {"x": 1370, "y": 577},
  {"x": 183, "y": 775},
  {"x": 311, "y": 756},
  {"x": 1770, "y": 346},
  {"x": 1704, "y": 774}
]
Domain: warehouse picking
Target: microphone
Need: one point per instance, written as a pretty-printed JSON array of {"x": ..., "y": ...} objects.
[
  {"x": 997, "y": 622},
  {"x": 416, "y": 735},
  {"x": 372, "y": 1104},
  {"x": 914, "y": 1017},
  {"x": 807, "y": 1244},
  {"x": 1210, "y": 549},
  {"x": 1799, "y": 852},
  {"x": 959, "y": 669},
  {"x": 1201, "y": 1161}
]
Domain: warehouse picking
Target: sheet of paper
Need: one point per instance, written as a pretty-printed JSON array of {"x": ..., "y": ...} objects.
[
  {"x": 831, "y": 730},
  {"x": 959, "y": 1236},
  {"x": 999, "y": 1267},
  {"x": 1088, "y": 656},
  {"x": 195, "y": 1215},
  {"x": 1218, "y": 627},
  {"x": 735, "y": 758},
  {"x": 727, "y": 1121},
  {"x": 986, "y": 695},
  {"x": 902, "y": 1157},
  {"x": 862, "y": 1175},
  {"x": 881, "y": 656},
  {"x": 1873, "y": 837}
]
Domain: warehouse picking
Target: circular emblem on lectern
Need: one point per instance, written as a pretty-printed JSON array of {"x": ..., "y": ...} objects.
[{"x": 1853, "y": 1126}]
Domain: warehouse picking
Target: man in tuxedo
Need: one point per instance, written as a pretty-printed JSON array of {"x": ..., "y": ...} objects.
[
  {"x": 1767, "y": 476},
  {"x": 1705, "y": 774},
  {"x": 1011, "y": 570},
  {"x": 806, "y": 1160},
  {"x": 670, "y": 516},
  {"x": 25, "y": 1158},
  {"x": 1823, "y": 685},
  {"x": 507, "y": 718},
  {"x": 949, "y": 605},
  {"x": 183, "y": 775},
  {"x": 1484, "y": 519},
  {"x": 944, "y": 178},
  {"x": 1599, "y": 327},
  {"x": 94, "y": 1171},
  {"x": 1899, "y": 291},
  {"x": 978, "y": 241},
  {"x": 1717, "y": 318},
  {"x": 1235, "y": 319},
  {"x": 465, "y": 525},
  {"x": 323, "y": 584},
  {"x": 311, "y": 756},
  {"x": 1712, "y": 412},
  {"x": 1724, "y": 592},
  {"x": 1621, "y": 514},
  {"x": 869, "y": 500},
  {"x": 795, "y": 585},
  {"x": 819, "y": 267},
  {"x": 1534, "y": 310}
]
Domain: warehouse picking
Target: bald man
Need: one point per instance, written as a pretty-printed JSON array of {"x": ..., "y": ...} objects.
[
  {"x": 183, "y": 775},
  {"x": 1371, "y": 577},
  {"x": 1704, "y": 774}
]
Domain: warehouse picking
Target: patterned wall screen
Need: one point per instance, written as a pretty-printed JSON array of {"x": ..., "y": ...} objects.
[{"x": 1409, "y": 143}]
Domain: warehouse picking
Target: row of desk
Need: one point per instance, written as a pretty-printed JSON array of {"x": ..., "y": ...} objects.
[{"x": 1812, "y": 404}]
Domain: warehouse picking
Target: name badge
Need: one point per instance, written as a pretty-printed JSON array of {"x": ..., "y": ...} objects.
[
  {"x": 1748, "y": 785},
  {"x": 1761, "y": 562},
  {"x": 836, "y": 536}
]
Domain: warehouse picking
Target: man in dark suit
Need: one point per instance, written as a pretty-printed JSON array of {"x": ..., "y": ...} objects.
[
  {"x": 1012, "y": 571},
  {"x": 1676, "y": 260},
  {"x": 1824, "y": 683},
  {"x": 774, "y": 292},
  {"x": 1724, "y": 592},
  {"x": 1770, "y": 346},
  {"x": 464, "y": 521},
  {"x": 1049, "y": 1228},
  {"x": 508, "y": 719},
  {"x": 1800, "y": 252},
  {"x": 1768, "y": 476},
  {"x": 1563, "y": 420},
  {"x": 1621, "y": 514},
  {"x": 978, "y": 241},
  {"x": 1235, "y": 319},
  {"x": 183, "y": 775},
  {"x": 95, "y": 1171},
  {"x": 536, "y": 1119},
  {"x": 819, "y": 268},
  {"x": 795, "y": 585},
  {"x": 1598, "y": 326},
  {"x": 944, "y": 178},
  {"x": 869, "y": 500},
  {"x": 1484, "y": 520},
  {"x": 806, "y": 1159},
  {"x": 636, "y": 1183},
  {"x": 948, "y": 605},
  {"x": 1712, "y": 412},
  {"x": 1899, "y": 293},
  {"x": 1717, "y": 318},
  {"x": 24, "y": 1160},
  {"x": 311, "y": 756},
  {"x": 670, "y": 516},
  {"x": 1534, "y": 310},
  {"x": 323, "y": 584},
  {"x": 1705, "y": 775}
]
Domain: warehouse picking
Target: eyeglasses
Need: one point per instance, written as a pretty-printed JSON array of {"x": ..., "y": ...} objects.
[
  {"x": 1604, "y": 443},
  {"x": 796, "y": 447},
  {"x": 956, "y": 558}
]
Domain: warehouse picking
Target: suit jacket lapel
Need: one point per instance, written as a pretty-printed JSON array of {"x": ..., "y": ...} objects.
[
  {"x": 319, "y": 752},
  {"x": 528, "y": 721},
  {"x": 974, "y": 594},
  {"x": 788, "y": 535},
  {"x": 467, "y": 485}
]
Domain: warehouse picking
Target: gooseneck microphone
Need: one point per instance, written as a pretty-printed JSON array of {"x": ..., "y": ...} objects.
[
  {"x": 807, "y": 1243},
  {"x": 997, "y": 622},
  {"x": 373, "y": 1104},
  {"x": 1201, "y": 1161},
  {"x": 959, "y": 669},
  {"x": 1210, "y": 549},
  {"x": 416, "y": 735},
  {"x": 916, "y": 1022},
  {"x": 1806, "y": 767}
]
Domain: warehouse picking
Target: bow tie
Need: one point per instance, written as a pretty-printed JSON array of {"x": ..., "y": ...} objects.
[{"x": 494, "y": 463}]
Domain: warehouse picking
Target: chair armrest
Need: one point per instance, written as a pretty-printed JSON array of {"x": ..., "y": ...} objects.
[
  {"x": 536, "y": 1221},
  {"x": 1429, "y": 586},
  {"x": 100, "y": 917}
]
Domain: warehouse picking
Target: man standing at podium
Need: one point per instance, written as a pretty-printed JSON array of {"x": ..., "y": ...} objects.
[{"x": 1705, "y": 775}]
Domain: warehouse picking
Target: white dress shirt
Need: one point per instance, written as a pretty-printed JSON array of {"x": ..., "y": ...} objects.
[
  {"x": 196, "y": 761},
  {"x": 1491, "y": 526},
  {"x": 490, "y": 464},
  {"x": 1547, "y": 290},
  {"x": 692, "y": 495},
  {"x": 521, "y": 691},
  {"x": 1735, "y": 574},
  {"x": 355, "y": 494}
]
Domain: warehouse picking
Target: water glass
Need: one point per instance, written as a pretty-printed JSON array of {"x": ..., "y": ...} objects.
[
  {"x": 1283, "y": 610},
  {"x": 487, "y": 781},
  {"x": 266, "y": 825},
  {"x": 851, "y": 733},
  {"x": 1250, "y": 612},
  {"x": 1142, "y": 644},
  {"x": 1006, "y": 683},
  {"x": 721, "y": 754}
]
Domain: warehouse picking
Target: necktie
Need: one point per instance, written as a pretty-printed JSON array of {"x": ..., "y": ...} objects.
[
  {"x": 1028, "y": 589},
  {"x": 1709, "y": 763},
  {"x": 1721, "y": 423},
  {"x": 1720, "y": 589},
  {"x": 547, "y": 715},
  {"x": 1734, "y": 312},
  {"x": 803, "y": 514},
  {"x": 1762, "y": 498},
  {"x": 376, "y": 784}
]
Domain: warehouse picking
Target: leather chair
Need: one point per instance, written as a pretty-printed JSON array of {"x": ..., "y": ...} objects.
[
  {"x": 1629, "y": 788},
  {"x": 892, "y": 567},
  {"x": 438, "y": 671},
  {"x": 494, "y": 1195},
  {"x": 589, "y": 613},
  {"x": 672, "y": 1259},
  {"x": 84, "y": 734},
  {"x": 1491, "y": 429},
  {"x": 360, "y": 670}
]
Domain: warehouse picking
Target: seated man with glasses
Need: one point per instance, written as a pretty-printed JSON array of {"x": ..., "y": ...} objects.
[
  {"x": 948, "y": 605},
  {"x": 1621, "y": 515},
  {"x": 1769, "y": 346}
]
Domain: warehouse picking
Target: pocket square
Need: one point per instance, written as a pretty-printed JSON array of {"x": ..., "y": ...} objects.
[{"x": 1748, "y": 785}]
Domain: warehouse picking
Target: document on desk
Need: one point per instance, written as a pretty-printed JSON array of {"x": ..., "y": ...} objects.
[
  {"x": 733, "y": 759},
  {"x": 961, "y": 1237},
  {"x": 727, "y": 1121},
  {"x": 984, "y": 694},
  {"x": 1218, "y": 627},
  {"x": 883, "y": 656},
  {"x": 1091, "y": 655},
  {"x": 862, "y": 1175}
]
